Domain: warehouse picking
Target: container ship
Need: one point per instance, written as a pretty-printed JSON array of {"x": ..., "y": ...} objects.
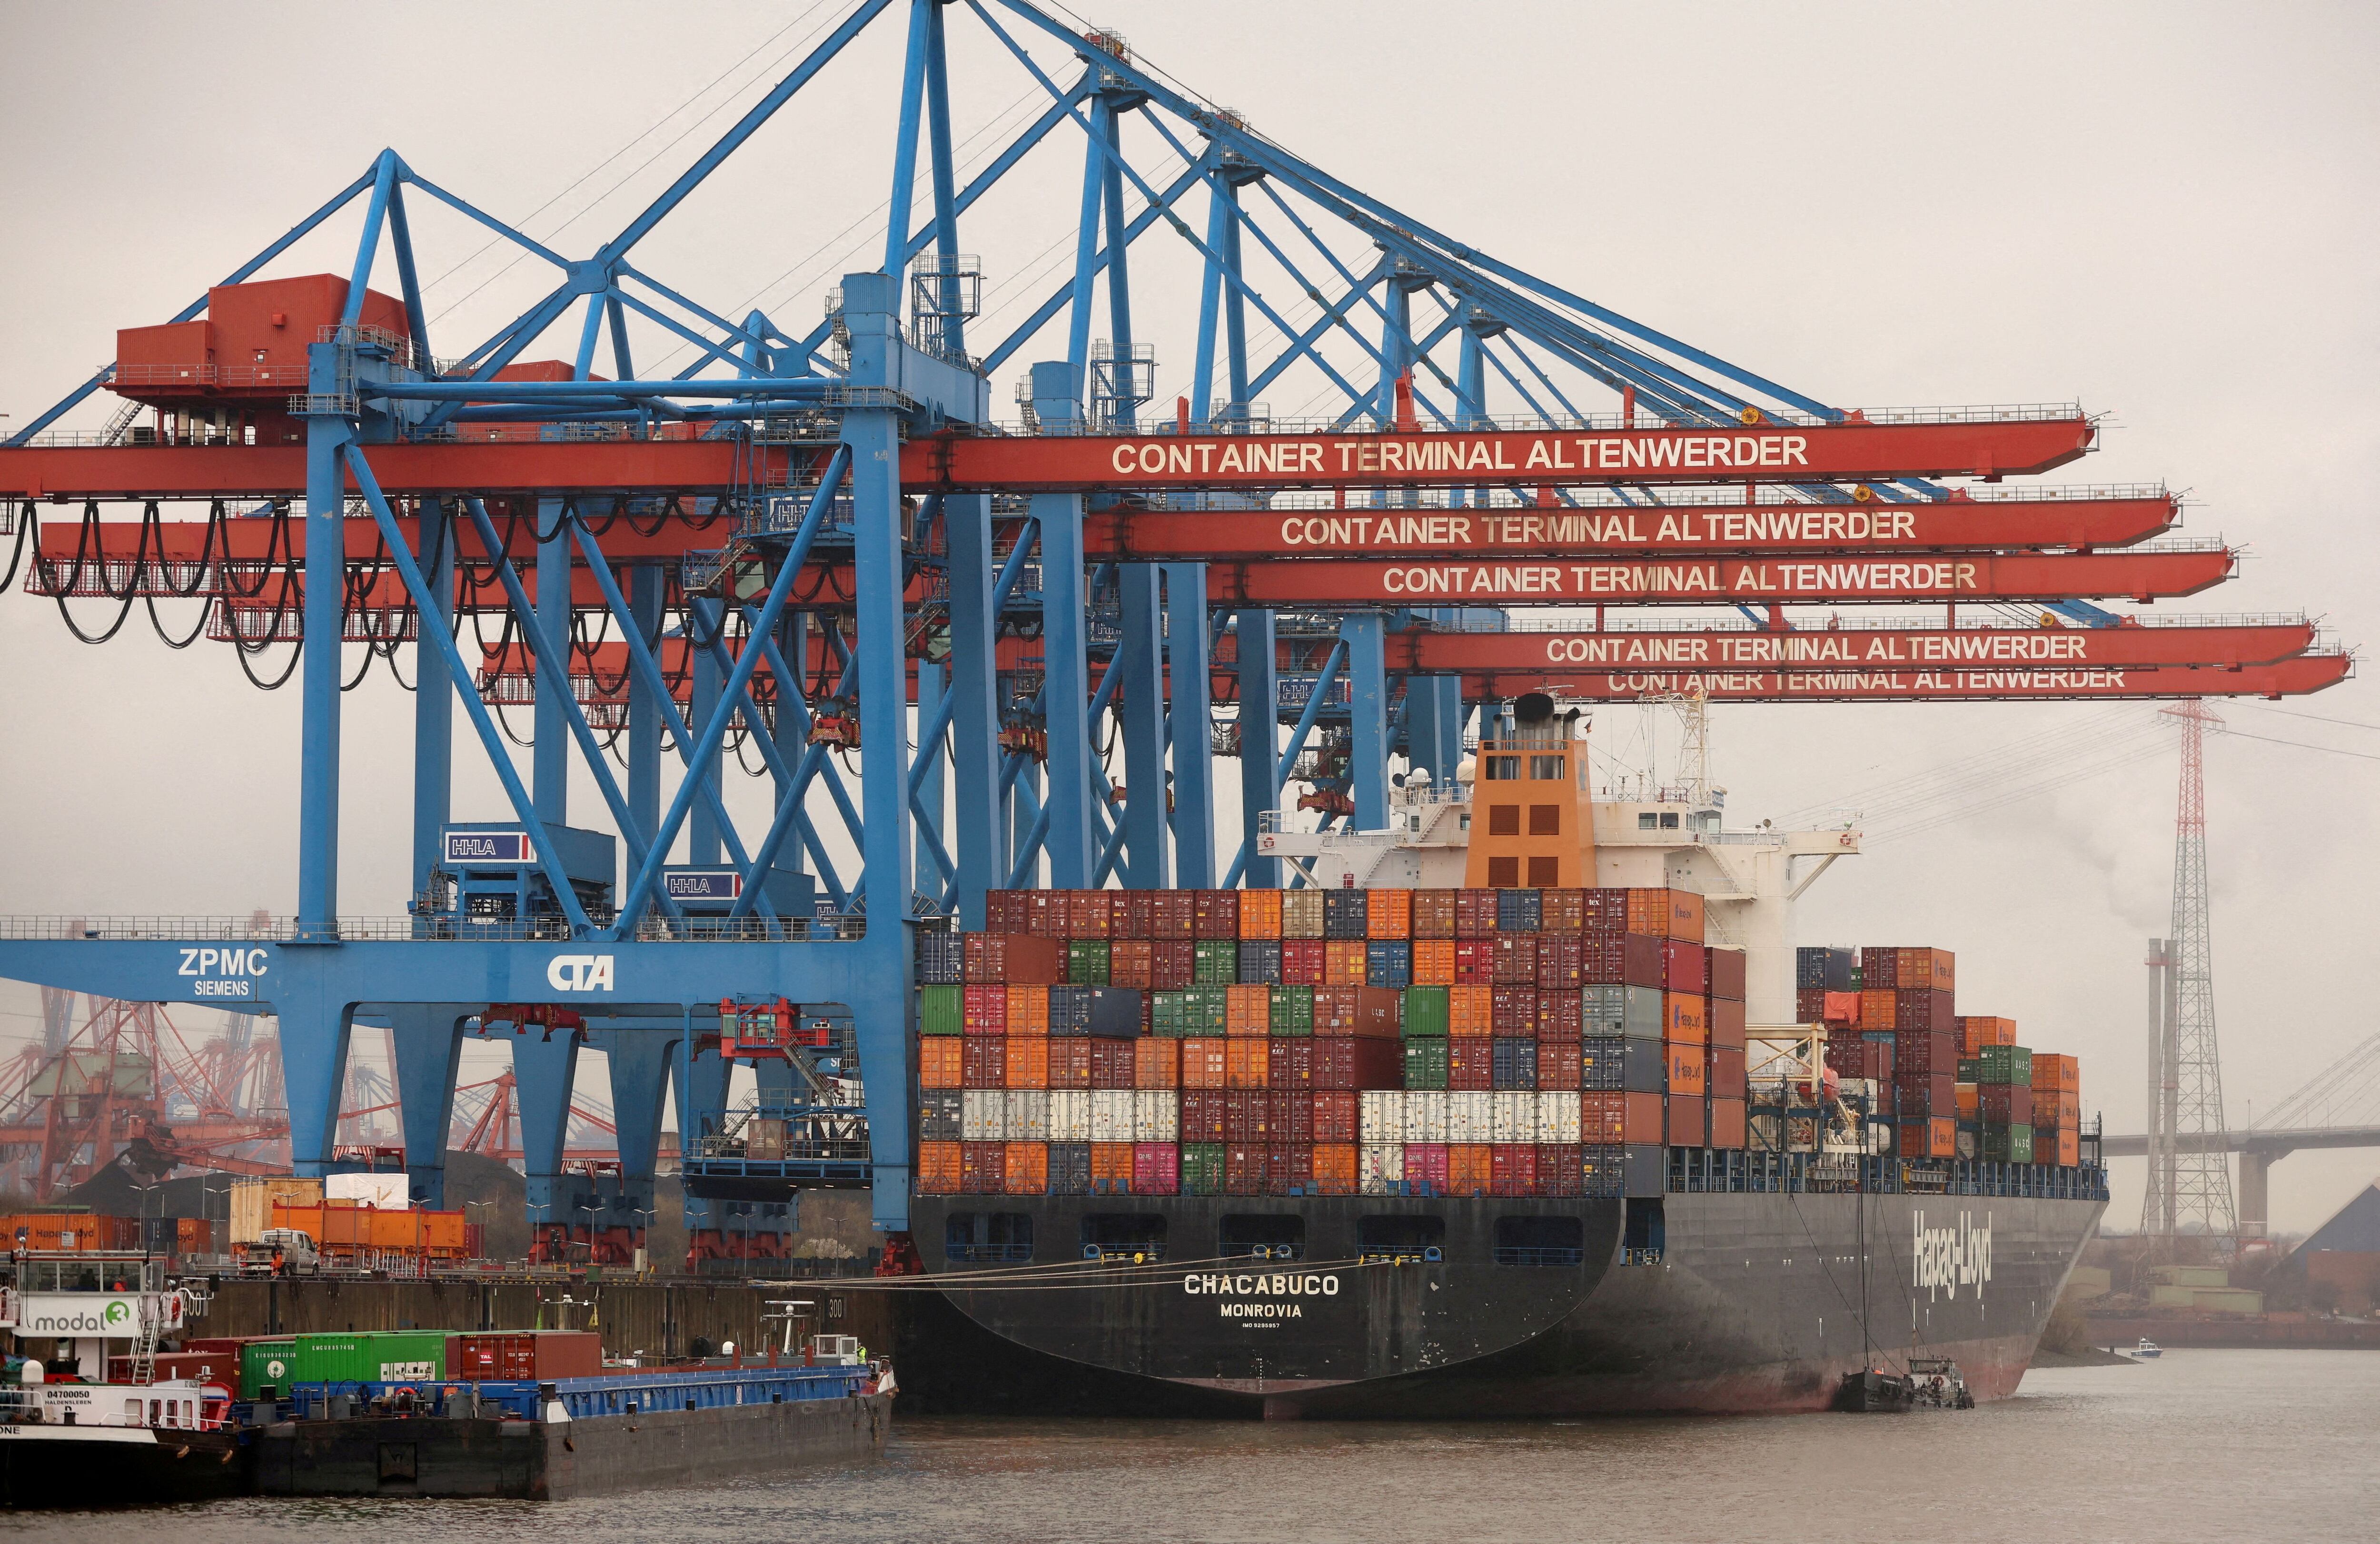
[{"x": 1522, "y": 1106}]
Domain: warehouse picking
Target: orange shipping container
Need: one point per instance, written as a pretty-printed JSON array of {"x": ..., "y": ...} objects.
[
  {"x": 1879, "y": 1010},
  {"x": 1470, "y": 1169},
  {"x": 1205, "y": 1063},
  {"x": 2069, "y": 1147},
  {"x": 1665, "y": 914},
  {"x": 1028, "y": 1168},
  {"x": 1244, "y": 1062},
  {"x": 1433, "y": 961},
  {"x": 2056, "y": 1110},
  {"x": 1247, "y": 1010},
  {"x": 940, "y": 1059},
  {"x": 1070, "y": 1064},
  {"x": 1156, "y": 1063},
  {"x": 1688, "y": 1069},
  {"x": 1342, "y": 962},
  {"x": 1112, "y": 1167},
  {"x": 937, "y": 1168},
  {"x": 1977, "y": 1030},
  {"x": 1684, "y": 1019},
  {"x": 1388, "y": 914},
  {"x": 1471, "y": 1012},
  {"x": 1335, "y": 1168},
  {"x": 1970, "y": 1101},
  {"x": 2055, "y": 1074},
  {"x": 1260, "y": 914},
  {"x": 1928, "y": 970},
  {"x": 1028, "y": 1010},
  {"x": 1028, "y": 1062}
]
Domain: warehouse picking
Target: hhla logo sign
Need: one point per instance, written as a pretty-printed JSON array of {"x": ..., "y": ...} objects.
[
  {"x": 579, "y": 973},
  {"x": 1953, "y": 1256}
]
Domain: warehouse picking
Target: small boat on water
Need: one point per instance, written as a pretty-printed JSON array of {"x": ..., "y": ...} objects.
[
  {"x": 2148, "y": 1350},
  {"x": 1931, "y": 1383}
]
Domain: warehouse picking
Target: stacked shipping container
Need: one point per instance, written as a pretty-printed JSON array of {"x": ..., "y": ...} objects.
[
  {"x": 1958, "y": 1086},
  {"x": 1306, "y": 1041}
]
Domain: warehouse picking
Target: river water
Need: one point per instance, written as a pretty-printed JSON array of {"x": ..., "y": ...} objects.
[{"x": 2203, "y": 1446}]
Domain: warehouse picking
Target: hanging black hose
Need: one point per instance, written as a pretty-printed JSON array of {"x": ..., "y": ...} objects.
[
  {"x": 132, "y": 589},
  {"x": 206, "y": 610},
  {"x": 241, "y": 652},
  {"x": 562, "y": 517},
  {"x": 31, "y": 526},
  {"x": 83, "y": 539}
]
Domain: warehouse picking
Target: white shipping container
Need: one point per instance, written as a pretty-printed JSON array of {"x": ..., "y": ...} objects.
[
  {"x": 1156, "y": 1115},
  {"x": 1070, "y": 1113},
  {"x": 1112, "y": 1114},
  {"x": 983, "y": 1115},
  {"x": 1515, "y": 1116},
  {"x": 1557, "y": 1115},
  {"x": 1425, "y": 1115},
  {"x": 1381, "y": 1167},
  {"x": 1470, "y": 1115},
  {"x": 1028, "y": 1115},
  {"x": 383, "y": 1192},
  {"x": 1382, "y": 1114}
]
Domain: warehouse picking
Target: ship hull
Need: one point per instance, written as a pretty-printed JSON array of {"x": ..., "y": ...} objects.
[{"x": 1752, "y": 1303}]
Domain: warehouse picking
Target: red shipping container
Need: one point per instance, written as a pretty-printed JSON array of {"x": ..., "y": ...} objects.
[
  {"x": 1156, "y": 1063},
  {"x": 1289, "y": 1117},
  {"x": 1727, "y": 1123},
  {"x": 1360, "y": 1063},
  {"x": 1173, "y": 962},
  {"x": 1935, "y": 1138},
  {"x": 1685, "y": 967},
  {"x": 1020, "y": 959},
  {"x": 1291, "y": 1066},
  {"x": 1475, "y": 914},
  {"x": 1640, "y": 960},
  {"x": 1726, "y": 974},
  {"x": 1470, "y": 1169},
  {"x": 1302, "y": 961},
  {"x": 1470, "y": 1065},
  {"x": 1561, "y": 911},
  {"x": 1917, "y": 1094},
  {"x": 1334, "y": 1011},
  {"x": 1172, "y": 914},
  {"x": 1559, "y": 1169},
  {"x": 1643, "y": 1120},
  {"x": 1156, "y": 1168},
  {"x": 1046, "y": 913},
  {"x": 1426, "y": 1164},
  {"x": 1602, "y": 1117},
  {"x": 1810, "y": 1005},
  {"x": 1726, "y": 1072},
  {"x": 1131, "y": 962},
  {"x": 1289, "y": 1169},
  {"x": 1516, "y": 960},
  {"x": 1475, "y": 961},
  {"x": 983, "y": 1168},
  {"x": 1512, "y": 1169},
  {"x": 1007, "y": 911},
  {"x": 1561, "y": 1014},
  {"x": 1727, "y": 1027},
  {"x": 1337, "y": 1114},
  {"x": 1214, "y": 914},
  {"x": 1925, "y": 1052},
  {"x": 1923, "y": 1009},
  {"x": 1607, "y": 909},
  {"x": 2007, "y": 1103},
  {"x": 1689, "y": 1121},
  {"x": 1131, "y": 914},
  {"x": 1514, "y": 1011},
  {"x": 1089, "y": 914},
  {"x": 1379, "y": 1012},
  {"x": 1880, "y": 969},
  {"x": 1113, "y": 1064},
  {"x": 1558, "y": 1064},
  {"x": 527, "y": 1356},
  {"x": 1069, "y": 1063},
  {"x": 1244, "y": 1169},
  {"x": 1246, "y": 1115},
  {"x": 1562, "y": 962},
  {"x": 1203, "y": 1113},
  {"x": 984, "y": 1063},
  {"x": 984, "y": 1010},
  {"x": 1433, "y": 913}
]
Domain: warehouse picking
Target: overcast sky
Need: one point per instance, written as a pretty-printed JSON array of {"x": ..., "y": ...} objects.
[{"x": 2165, "y": 211}]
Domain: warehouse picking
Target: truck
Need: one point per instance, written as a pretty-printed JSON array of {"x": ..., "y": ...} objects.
[{"x": 280, "y": 1252}]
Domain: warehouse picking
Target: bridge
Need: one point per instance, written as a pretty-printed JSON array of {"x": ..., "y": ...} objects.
[{"x": 2339, "y": 1107}]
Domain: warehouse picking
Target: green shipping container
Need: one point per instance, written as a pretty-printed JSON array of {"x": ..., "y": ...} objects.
[
  {"x": 1424, "y": 1015},
  {"x": 2007, "y": 1144},
  {"x": 1165, "y": 1015},
  {"x": 1215, "y": 962},
  {"x": 941, "y": 1010},
  {"x": 1426, "y": 1063},
  {"x": 1087, "y": 962},
  {"x": 1292, "y": 1009},
  {"x": 1205, "y": 1010},
  {"x": 373, "y": 1356},
  {"x": 267, "y": 1362},
  {"x": 2006, "y": 1064},
  {"x": 1971, "y": 1069},
  {"x": 1202, "y": 1168}
]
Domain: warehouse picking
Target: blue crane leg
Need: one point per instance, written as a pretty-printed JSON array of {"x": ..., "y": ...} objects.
[
  {"x": 929, "y": 776},
  {"x": 1142, "y": 654},
  {"x": 974, "y": 807},
  {"x": 318, "y": 769},
  {"x": 1259, "y": 741},
  {"x": 429, "y": 1042},
  {"x": 1189, "y": 726},
  {"x": 549, "y": 760},
  {"x": 1367, "y": 707},
  {"x": 702, "y": 825},
  {"x": 646, "y": 582},
  {"x": 433, "y": 698},
  {"x": 314, "y": 1035},
  {"x": 543, "y": 1068}
]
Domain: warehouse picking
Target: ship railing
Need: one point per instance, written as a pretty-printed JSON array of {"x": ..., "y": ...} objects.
[
  {"x": 990, "y": 1254},
  {"x": 1640, "y": 1257},
  {"x": 1429, "y": 1255},
  {"x": 1126, "y": 1254},
  {"x": 1523, "y": 1255}
]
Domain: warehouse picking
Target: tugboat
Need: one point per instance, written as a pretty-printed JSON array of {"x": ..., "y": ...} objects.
[
  {"x": 70, "y": 1435},
  {"x": 1931, "y": 1383}
]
